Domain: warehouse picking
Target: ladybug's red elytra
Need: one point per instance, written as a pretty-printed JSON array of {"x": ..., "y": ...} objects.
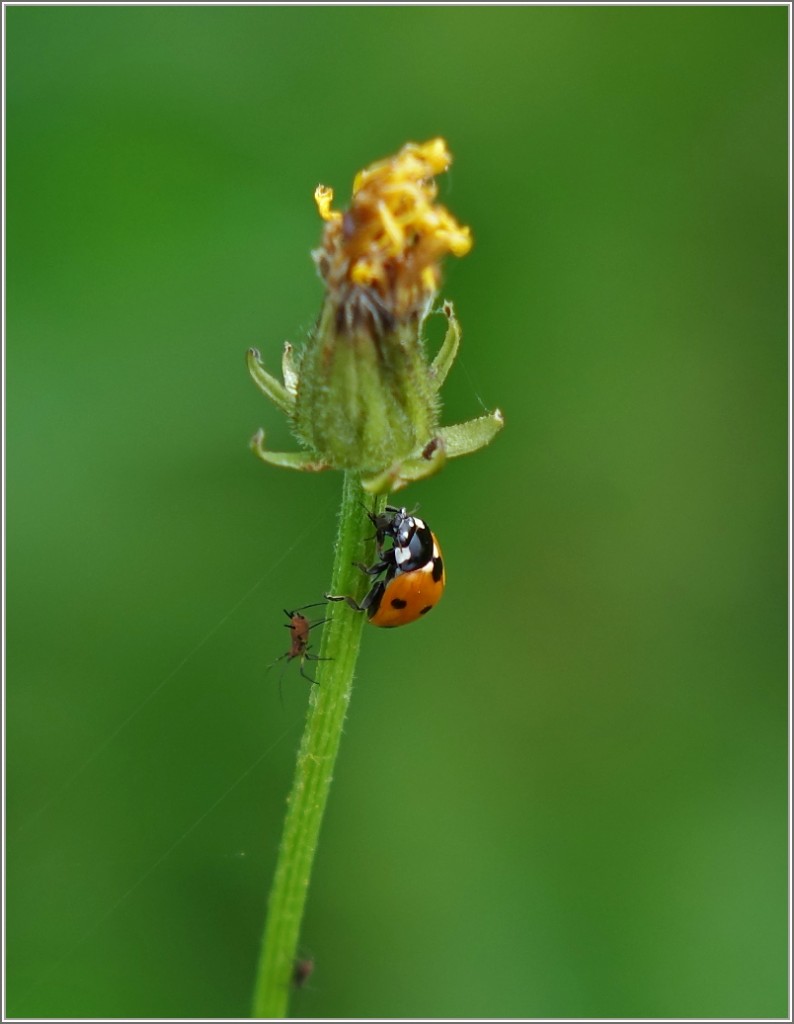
[{"x": 413, "y": 576}]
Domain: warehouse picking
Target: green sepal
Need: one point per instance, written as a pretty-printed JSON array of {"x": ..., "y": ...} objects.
[
  {"x": 267, "y": 384},
  {"x": 304, "y": 461},
  {"x": 468, "y": 437}
]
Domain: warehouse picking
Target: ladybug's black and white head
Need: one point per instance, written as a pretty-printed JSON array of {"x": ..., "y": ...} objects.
[
  {"x": 403, "y": 527},
  {"x": 412, "y": 541},
  {"x": 394, "y": 523}
]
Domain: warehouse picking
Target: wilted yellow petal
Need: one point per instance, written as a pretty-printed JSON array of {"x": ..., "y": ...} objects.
[
  {"x": 393, "y": 237},
  {"x": 323, "y": 197}
]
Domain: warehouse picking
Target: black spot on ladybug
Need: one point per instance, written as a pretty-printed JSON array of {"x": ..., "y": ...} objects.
[
  {"x": 424, "y": 611},
  {"x": 397, "y": 602},
  {"x": 438, "y": 569}
]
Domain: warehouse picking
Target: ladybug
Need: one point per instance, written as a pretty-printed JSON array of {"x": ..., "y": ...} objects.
[
  {"x": 299, "y": 627},
  {"x": 412, "y": 569}
]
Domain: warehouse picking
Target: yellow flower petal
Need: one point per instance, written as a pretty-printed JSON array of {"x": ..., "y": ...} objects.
[
  {"x": 323, "y": 197},
  {"x": 393, "y": 237}
]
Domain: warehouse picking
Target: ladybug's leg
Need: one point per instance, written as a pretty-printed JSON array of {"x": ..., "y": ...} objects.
[
  {"x": 386, "y": 562},
  {"x": 374, "y": 570},
  {"x": 351, "y": 602},
  {"x": 371, "y": 600},
  {"x": 381, "y": 523}
]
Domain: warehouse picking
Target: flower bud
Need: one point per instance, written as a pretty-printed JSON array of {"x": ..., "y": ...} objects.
[
  {"x": 365, "y": 398},
  {"x": 361, "y": 395}
]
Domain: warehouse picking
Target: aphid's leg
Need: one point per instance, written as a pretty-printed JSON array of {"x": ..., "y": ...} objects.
[
  {"x": 291, "y": 616},
  {"x": 289, "y": 656},
  {"x": 311, "y": 657}
]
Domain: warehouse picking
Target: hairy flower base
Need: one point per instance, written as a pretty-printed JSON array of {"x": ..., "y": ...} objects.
[{"x": 393, "y": 450}]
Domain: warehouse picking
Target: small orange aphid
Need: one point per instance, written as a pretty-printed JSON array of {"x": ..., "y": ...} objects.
[
  {"x": 299, "y": 627},
  {"x": 301, "y": 972}
]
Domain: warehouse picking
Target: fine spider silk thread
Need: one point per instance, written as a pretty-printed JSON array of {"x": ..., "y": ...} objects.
[
  {"x": 169, "y": 677},
  {"x": 104, "y": 918}
]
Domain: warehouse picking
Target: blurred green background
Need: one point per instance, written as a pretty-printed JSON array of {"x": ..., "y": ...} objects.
[{"x": 564, "y": 794}]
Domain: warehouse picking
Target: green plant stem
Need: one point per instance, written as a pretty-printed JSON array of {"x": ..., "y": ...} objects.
[{"x": 328, "y": 703}]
